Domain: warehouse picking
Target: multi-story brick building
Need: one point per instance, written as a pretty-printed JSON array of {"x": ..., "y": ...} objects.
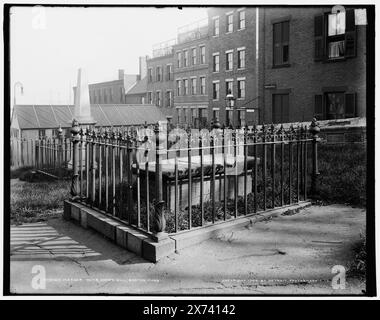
[
  {"x": 233, "y": 65},
  {"x": 160, "y": 77},
  {"x": 313, "y": 63},
  {"x": 190, "y": 74}
]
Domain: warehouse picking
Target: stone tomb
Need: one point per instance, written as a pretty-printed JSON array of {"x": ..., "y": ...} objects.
[{"x": 234, "y": 167}]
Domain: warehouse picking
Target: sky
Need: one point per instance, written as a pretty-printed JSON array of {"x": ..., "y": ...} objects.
[{"x": 49, "y": 44}]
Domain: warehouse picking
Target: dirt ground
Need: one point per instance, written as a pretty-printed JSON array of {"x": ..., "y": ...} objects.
[{"x": 285, "y": 255}]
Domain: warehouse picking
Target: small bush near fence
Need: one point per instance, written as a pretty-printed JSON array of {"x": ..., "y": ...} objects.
[
  {"x": 343, "y": 172},
  {"x": 37, "y": 201}
]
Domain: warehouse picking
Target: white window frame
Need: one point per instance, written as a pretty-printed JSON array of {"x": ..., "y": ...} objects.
[
  {"x": 185, "y": 60},
  {"x": 214, "y": 82},
  {"x": 245, "y": 87},
  {"x": 184, "y": 87},
  {"x": 213, "y": 55},
  {"x": 245, "y": 18},
  {"x": 229, "y": 14},
  {"x": 232, "y": 63},
  {"x": 245, "y": 55},
  {"x": 192, "y": 56},
  {"x": 213, "y": 26},
  {"x": 178, "y": 88},
  {"x": 200, "y": 53},
  {"x": 200, "y": 85},
  {"x": 191, "y": 85}
]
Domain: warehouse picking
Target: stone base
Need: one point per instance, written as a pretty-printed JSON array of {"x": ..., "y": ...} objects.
[
  {"x": 124, "y": 236},
  {"x": 154, "y": 249}
]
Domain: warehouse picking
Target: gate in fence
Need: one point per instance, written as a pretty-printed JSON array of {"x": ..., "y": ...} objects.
[{"x": 178, "y": 180}]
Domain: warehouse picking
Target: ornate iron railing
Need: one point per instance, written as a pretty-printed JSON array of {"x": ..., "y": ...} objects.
[{"x": 170, "y": 180}]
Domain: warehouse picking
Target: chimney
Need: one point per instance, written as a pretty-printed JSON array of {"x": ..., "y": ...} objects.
[
  {"x": 121, "y": 74},
  {"x": 142, "y": 66}
]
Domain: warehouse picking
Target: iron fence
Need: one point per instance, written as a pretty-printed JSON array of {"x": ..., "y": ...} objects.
[{"x": 175, "y": 180}]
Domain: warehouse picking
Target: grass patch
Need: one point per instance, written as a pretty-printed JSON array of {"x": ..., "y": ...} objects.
[
  {"x": 343, "y": 170},
  {"x": 357, "y": 267},
  {"x": 19, "y": 172},
  {"x": 31, "y": 202}
]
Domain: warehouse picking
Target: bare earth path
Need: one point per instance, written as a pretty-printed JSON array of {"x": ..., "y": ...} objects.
[{"x": 286, "y": 255}]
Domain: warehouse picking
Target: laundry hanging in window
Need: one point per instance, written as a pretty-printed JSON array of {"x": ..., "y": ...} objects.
[{"x": 336, "y": 49}]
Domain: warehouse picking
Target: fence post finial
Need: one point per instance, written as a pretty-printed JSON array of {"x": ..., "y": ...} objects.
[
  {"x": 314, "y": 130},
  {"x": 159, "y": 222},
  {"x": 75, "y": 130}
]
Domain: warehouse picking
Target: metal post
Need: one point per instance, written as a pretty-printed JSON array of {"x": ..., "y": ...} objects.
[
  {"x": 74, "y": 181},
  {"x": 60, "y": 152},
  {"x": 159, "y": 217},
  {"x": 314, "y": 130}
]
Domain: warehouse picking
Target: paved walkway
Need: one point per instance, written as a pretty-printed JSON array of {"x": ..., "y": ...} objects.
[{"x": 286, "y": 255}]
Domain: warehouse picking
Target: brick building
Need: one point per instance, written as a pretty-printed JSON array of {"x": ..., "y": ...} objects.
[
  {"x": 313, "y": 62},
  {"x": 233, "y": 65},
  {"x": 160, "y": 78},
  {"x": 190, "y": 74}
]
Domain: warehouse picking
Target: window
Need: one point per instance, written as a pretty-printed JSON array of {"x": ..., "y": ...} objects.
[
  {"x": 178, "y": 87},
  {"x": 185, "y": 87},
  {"x": 169, "y": 98},
  {"x": 202, "y": 118},
  {"x": 281, "y": 43},
  {"x": 229, "y": 61},
  {"x": 229, "y": 117},
  {"x": 203, "y": 54},
  {"x": 241, "y": 118},
  {"x": 229, "y": 23},
  {"x": 241, "y": 58},
  {"x": 335, "y": 105},
  {"x": 241, "y": 20},
  {"x": 169, "y": 74},
  {"x": 158, "y": 74},
  {"x": 241, "y": 88},
  {"x": 150, "y": 75},
  {"x": 194, "y": 56},
  {"x": 179, "y": 59},
  {"x": 186, "y": 58},
  {"x": 203, "y": 85},
  {"x": 229, "y": 86},
  {"x": 215, "y": 90},
  {"x": 215, "y": 114},
  {"x": 215, "y": 64},
  {"x": 158, "y": 98},
  {"x": 335, "y": 35},
  {"x": 195, "y": 117},
  {"x": 150, "y": 98},
  {"x": 179, "y": 115},
  {"x": 216, "y": 26},
  {"x": 280, "y": 111},
  {"x": 193, "y": 86}
]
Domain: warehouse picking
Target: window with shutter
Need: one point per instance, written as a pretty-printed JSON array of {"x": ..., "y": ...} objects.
[
  {"x": 350, "y": 105},
  {"x": 281, "y": 43},
  {"x": 319, "y": 37},
  {"x": 350, "y": 36},
  {"x": 335, "y": 35}
]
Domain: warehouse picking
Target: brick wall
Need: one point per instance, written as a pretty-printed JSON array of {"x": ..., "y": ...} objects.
[
  {"x": 304, "y": 78},
  {"x": 186, "y": 102},
  {"x": 162, "y": 85},
  {"x": 233, "y": 41}
]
